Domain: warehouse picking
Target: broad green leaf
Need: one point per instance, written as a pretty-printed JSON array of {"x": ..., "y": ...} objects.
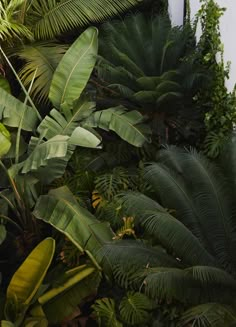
[
  {"x": 29, "y": 276},
  {"x": 41, "y": 153},
  {"x": 66, "y": 122},
  {"x": 66, "y": 302},
  {"x": 60, "y": 209},
  {"x": 127, "y": 124},
  {"x": 3, "y": 233},
  {"x": 81, "y": 273},
  {"x": 86, "y": 138},
  {"x": 4, "y": 84},
  {"x": 5, "y": 140},
  {"x": 12, "y": 110},
  {"x": 74, "y": 70}
]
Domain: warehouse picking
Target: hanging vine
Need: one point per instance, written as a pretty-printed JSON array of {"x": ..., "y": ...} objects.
[{"x": 221, "y": 116}]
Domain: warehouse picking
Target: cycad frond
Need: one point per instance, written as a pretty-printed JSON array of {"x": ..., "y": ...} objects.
[
  {"x": 208, "y": 315},
  {"x": 41, "y": 61},
  {"x": 53, "y": 17},
  {"x": 201, "y": 197},
  {"x": 191, "y": 285}
]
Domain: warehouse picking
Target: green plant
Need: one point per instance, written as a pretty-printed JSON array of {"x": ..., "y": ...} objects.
[
  {"x": 179, "y": 260},
  {"x": 146, "y": 64},
  {"x": 29, "y": 301},
  {"x": 221, "y": 103}
]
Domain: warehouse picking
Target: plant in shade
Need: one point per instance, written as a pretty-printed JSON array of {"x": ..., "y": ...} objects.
[{"x": 146, "y": 64}]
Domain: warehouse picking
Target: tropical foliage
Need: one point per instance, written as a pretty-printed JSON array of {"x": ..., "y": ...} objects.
[
  {"x": 148, "y": 65},
  {"x": 100, "y": 223}
]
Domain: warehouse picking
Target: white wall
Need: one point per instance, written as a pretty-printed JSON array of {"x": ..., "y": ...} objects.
[
  {"x": 228, "y": 31},
  {"x": 227, "y": 26},
  {"x": 176, "y": 11}
]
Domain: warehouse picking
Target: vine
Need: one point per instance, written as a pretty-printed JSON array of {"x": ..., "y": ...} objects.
[{"x": 221, "y": 116}]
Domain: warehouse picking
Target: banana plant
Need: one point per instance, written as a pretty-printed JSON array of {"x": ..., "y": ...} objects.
[{"x": 29, "y": 301}]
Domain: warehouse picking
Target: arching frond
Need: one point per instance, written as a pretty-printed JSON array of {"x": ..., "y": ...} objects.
[
  {"x": 53, "y": 17},
  {"x": 11, "y": 26},
  {"x": 158, "y": 224},
  {"x": 41, "y": 61},
  {"x": 208, "y": 315},
  {"x": 191, "y": 285},
  {"x": 202, "y": 199}
]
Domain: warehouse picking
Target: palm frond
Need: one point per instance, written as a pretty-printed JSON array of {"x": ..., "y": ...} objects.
[
  {"x": 53, "y": 17},
  {"x": 11, "y": 26},
  {"x": 41, "y": 60}
]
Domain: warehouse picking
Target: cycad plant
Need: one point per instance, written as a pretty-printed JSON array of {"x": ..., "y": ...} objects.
[
  {"x": 146, "y": 64},
  {"x": 185, "y": 237}
]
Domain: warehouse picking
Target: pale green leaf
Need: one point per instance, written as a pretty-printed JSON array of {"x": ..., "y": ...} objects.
[{"x": 74, "y": 70}]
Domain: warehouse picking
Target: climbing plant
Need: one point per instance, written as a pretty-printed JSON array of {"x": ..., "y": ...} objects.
[{"x": 220, "y": 103}]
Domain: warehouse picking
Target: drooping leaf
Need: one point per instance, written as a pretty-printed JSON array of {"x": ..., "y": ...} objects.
[
  {"x": 128, "y": 125},
  {"x": 56, "y": 147},
  {"x": 60, "y": 209},
  {"x": 12, "y": 110},
  {"x": 85, "y": 137},
  {"x": 74, "y": 70},
  {"x": 59, "y": 302}
]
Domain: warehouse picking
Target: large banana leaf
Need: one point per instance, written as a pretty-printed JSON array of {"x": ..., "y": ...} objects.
[
  {"x": 56, "y": 147},
  {"x": 60, "y": 209},
  {"x": 62, "y": 300},
  {"x": 66, "y": 122},
  {"x": 74, "y": 70},
  {"x": 12, "y": 110},
  {"x": 127, "y": 124},
  {"x": 27, "y": 279}
]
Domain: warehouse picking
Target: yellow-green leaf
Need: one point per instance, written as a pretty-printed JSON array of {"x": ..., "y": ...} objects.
[{"x": 27, "y": 279}]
